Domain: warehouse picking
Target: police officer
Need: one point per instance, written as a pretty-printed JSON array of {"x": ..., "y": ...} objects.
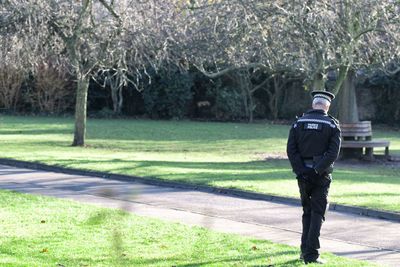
[{"x": 313, "y": 146}]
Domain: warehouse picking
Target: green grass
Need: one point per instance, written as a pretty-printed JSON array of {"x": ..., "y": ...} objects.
[
  {"x": 220, "y": 154},
  {"x": 43, "y": 231}
]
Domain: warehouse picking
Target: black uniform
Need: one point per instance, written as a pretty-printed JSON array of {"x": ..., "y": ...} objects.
[{"x": 313, "y": 146}]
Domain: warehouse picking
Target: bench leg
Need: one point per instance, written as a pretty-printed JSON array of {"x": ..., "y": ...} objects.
[
  {"x": 369, "y": 153},
  {"x": 387, "y": 152}
]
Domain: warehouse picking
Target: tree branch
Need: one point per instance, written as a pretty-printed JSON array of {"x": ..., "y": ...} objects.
[
  {"x": 261, "y": 84},
  {"x": 111, "y": 10},
  {"x": 58, "y": 30},
  {"x": 229, "y": 69},
  {"x": 393, "y": 72},
  {"x": 367, "y": 31},
  {"x": 78, "y": 27},
  {"x": 343, "y": 70}
]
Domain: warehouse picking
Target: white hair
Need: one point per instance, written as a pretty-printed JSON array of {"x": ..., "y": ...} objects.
[{"x": 321, "y": 102}]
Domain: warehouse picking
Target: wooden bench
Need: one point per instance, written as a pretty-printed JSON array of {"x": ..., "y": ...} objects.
[{"x": 356, "y": 137}]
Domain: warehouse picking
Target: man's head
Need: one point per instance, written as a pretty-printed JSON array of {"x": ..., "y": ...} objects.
[
  {"x": 321, "y": 103},
  {"x": 322, "y": 100}
]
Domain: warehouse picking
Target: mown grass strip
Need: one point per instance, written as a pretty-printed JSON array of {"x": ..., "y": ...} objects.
[
  {"x": 230, "y": 155},
  {"x": 44, "y": 231}
]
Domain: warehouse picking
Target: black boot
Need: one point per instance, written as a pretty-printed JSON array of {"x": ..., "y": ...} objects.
[
  {"x": 306, "y": 219},
  {"x": 317, "y": 261},
  {"x": 311, "y": 254}
]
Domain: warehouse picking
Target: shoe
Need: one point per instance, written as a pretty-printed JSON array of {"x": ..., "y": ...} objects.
[{"x": 317, "y": 261}]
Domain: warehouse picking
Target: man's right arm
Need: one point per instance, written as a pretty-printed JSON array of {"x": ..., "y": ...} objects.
[
  {"x": 294, "y": 154},
  {"x": 332, "y": 153}
]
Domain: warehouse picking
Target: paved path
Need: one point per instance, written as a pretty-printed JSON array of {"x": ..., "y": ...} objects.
[{"x": 343, "y": 234}]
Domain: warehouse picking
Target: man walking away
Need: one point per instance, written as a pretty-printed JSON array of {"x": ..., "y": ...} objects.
[{"x": 313, "y": 146}]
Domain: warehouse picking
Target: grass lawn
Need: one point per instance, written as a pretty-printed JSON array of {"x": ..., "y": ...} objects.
[
  {"x": 43, "y": 231},
  {"x": 220, "y": 154}
]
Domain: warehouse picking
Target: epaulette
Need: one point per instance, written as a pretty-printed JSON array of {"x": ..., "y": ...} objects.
[
  {"x": 299, "y": 116},
  {"x": 336, "y": 121}
]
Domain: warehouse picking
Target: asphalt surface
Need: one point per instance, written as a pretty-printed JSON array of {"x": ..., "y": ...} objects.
[{"x": 344, "y": 234}]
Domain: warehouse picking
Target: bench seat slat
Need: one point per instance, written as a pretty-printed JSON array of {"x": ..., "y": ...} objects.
[
  {"x": 356, "y": 123},
  {"x": 356, "y": 133},
  {"x": 354, "y": 127},
  {"x": 358, "y": 144}
]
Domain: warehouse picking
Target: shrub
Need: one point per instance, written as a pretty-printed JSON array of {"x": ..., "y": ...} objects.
[
  {"x": 51, "y": 92},
  {"x": 229, "y": 103},
  {"x": 11, "y": 80},
  {"x": 386, "y": 95},
  {"x": 169, "y": 95}
]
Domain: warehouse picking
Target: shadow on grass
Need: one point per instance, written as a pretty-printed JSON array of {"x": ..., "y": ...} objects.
[
  {"x": 363, "y": 194},
  {"x": 206, "y": 172},
  {"x": 36, "y": 132},
  {"x": 149, "y": 130},
  {"x": 265, "y": 257},
  {"x": 229, "y": 165},
  {"x": 199, "y": 171},
  {"x": 57, "y": 253},
  {"x": 129, "y": 260}
]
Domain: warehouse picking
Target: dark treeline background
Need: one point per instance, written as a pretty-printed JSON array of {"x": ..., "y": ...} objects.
[{"x": 172, "y": 94}]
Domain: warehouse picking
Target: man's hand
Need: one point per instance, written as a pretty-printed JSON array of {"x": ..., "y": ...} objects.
[{"x": 309, "y": 173}]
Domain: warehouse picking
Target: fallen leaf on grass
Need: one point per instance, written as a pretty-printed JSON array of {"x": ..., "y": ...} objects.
[
  {"x": 254, "y": 248},
  {"x": 44, "y": 250},
  {"x": 42, "y": 221}
]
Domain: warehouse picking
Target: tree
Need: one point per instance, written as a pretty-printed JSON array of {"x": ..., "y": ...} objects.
[
  {"x": 92, "y": 37},
  {"x": 305, "y": 37},
  {"x": 237, "y": 38},
  {"x": 76, "y": 31},
  {"x": 343, "y": 37}
]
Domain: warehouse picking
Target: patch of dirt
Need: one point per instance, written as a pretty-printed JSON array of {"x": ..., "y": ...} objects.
[{"x": 271, "y": 156}]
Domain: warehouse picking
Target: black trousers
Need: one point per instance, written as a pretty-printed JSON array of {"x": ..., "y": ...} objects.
[{"x": 314, "y": 199}]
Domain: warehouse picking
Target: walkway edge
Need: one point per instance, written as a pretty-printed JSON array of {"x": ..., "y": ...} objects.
[{"x": 204, "y": 188}]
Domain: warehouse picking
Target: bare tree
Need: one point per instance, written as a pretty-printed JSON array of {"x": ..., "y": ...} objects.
[
  {"x": 123, "y": 38},
  {"x": 92, "y": 37},
  {"x": 309, "y": 37},
  {"x": 236, "y": 38},
  {"x": 342, "y": 36}
]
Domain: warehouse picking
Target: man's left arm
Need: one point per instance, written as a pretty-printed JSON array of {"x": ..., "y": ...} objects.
[{"x": 331, "y": 154}]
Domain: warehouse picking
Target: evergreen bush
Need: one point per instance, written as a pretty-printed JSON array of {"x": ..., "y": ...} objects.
[{"x": 169, "y": 95}]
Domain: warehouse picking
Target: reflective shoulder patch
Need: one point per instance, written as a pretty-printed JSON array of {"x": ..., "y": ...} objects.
[{"x": 331, "y": 124}]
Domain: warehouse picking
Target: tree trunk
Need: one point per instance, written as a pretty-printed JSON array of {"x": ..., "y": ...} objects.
[
  {"x": 244, "y": 88},
  {"x": 251, "y": 105},
  {"x": 114, "y": 97},
  {"x": 117, "y": 98},
  {"x": 120, "y": 101},
  {"x": 270, "y": 90},
  {"x": 80, "y": 110},
  {"x": 318, "y": 82},
  {"x": 348, "y": 111}
]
